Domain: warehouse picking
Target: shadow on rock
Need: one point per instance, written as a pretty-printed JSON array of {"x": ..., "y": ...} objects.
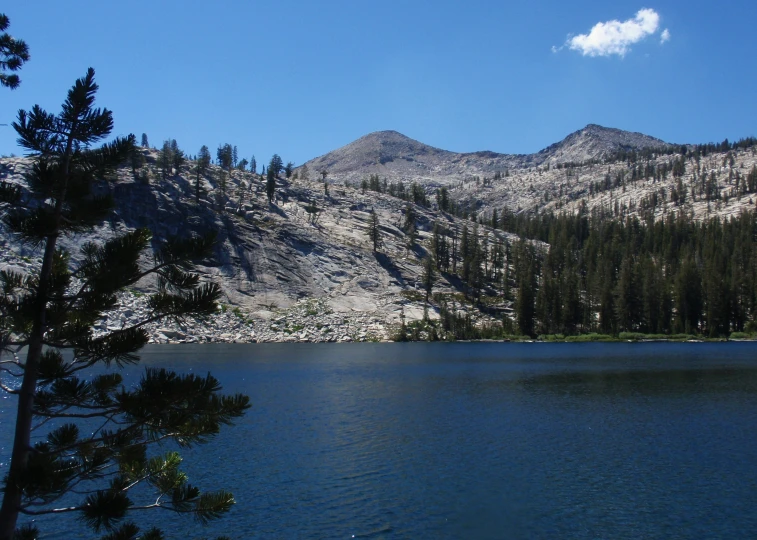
[{"x": 388, "y": 265}]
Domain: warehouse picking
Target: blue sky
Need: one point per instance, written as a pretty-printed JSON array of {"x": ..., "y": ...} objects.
[{"x": 300, "y": 78}]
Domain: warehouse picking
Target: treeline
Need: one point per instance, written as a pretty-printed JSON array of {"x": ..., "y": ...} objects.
[
  {"x": 171, "y": 160},
  {"x": 416, "y": 193},
  {"x": 670, "y": 276},
  {"x": 695, "y": 150},
  {"x": 413, "y": 193}
]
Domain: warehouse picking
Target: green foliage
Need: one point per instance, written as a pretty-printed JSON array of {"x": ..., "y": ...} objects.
[
  {"x": 637, "y": 336},
  {"x": 373, "y": 231},
  {"x": 104, "y": 473},
  {"x": 583, "y": 338},
  {"x": 428, "y": 278},
  {"x": 416, "y": 194},
  {"x": 13, "y": 53},
  {"x": 270, "y": 185},
  {"x": 136, "y": 159},
  {"x": 274, "y": 168},
  {"x": 201, "y": 168},
  {"x": 743, "y": 335},
  {"x": 600, "y": 275},
  {"x": 170, "y": 157},
  {"x": 442, "y": 199},
  {"x": 313, "y": 212},
  {"x": 276, "y": 165},
  {"x": 225, "y": 156},
  {"x": 413, "y": 296}
]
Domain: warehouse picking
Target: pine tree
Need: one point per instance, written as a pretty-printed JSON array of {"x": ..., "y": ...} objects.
[
  {"x": 54, "y": 310},
  {"x": 165, "y": 159},
  {"x": 689, "y": 296},
  {"x": 465, "y": 253},
  {"x": 270, "y": 184},
  {"x": 136, "y": 159},
  {"x": 221, "y": 192},
  {"x": 525, "y": 274},
  {"x": 177, "y": 156},
  {"x": 313, "y": 212},
  {"x": 475, "y": 275},
  {"x": 253, "y": 165},
  {"x": 442, "y": 199},
  {"x": 13, "y": 54},
  {"x": 410, "y": 228},
  {"x": 202, "y": 166},
  {"x": 145, "y": 144},
  {"x": 411, "y": 238},
  {"x": 429, "y": 276},
  {"x": 374, "y": 231},
  {"x": 276, "y": 165},
  {"x": 225, "y": 156},
  {"x": 627, "y": 302},
  {"x": 436, "y": 245},
  {"x": 288, "y": 168}
]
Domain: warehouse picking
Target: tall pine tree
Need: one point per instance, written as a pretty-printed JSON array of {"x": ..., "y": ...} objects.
[{"x": 105, "y": 474}]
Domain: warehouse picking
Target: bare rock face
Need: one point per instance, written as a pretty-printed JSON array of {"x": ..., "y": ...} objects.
[
  {"x": 375, "y": 150},
  {"x": 285, "y": 275},
  {"x": 302, "y": 268},
  {"x": 395, "y": 157},
  {"x": 595, "y": 142}
]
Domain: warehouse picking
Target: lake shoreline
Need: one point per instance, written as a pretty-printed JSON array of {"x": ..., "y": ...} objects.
[{"x": 514, "y": 341}]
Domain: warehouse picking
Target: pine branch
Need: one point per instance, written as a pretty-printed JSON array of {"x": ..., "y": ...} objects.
[
  {"x": 10, "y": 193},
  {"x": 42, "y": 311}
]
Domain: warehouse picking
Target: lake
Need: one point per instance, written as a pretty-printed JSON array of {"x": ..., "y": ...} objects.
[{"x": 475, "y": 440}]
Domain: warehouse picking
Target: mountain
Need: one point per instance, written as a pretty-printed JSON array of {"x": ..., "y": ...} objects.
[
  {"x": 289, "y": 277},
  {"x": 394, "y": 156},
  {"x": 596, "y": 142}
]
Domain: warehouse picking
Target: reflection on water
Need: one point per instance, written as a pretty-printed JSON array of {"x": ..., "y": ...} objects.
[
  {"x": 481, "y": 440},
  {"x": 668, "y": 382}
]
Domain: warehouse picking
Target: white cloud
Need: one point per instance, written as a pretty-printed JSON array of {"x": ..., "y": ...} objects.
[
  {"x": 665, "y": 36},
  {"x": 615, "y": 37}
]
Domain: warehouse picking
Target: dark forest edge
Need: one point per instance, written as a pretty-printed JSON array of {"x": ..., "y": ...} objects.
[{"x": 629, "y": 279}]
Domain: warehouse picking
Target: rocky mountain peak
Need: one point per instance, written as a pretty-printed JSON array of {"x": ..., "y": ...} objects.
[
  {"x": 595, "y": 142},
  {"x": 371, "y": 153},
  {"x": 395, "y": 156}
]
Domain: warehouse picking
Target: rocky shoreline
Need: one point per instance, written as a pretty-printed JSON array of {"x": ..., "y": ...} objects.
[{"x": 308, "y": 320}]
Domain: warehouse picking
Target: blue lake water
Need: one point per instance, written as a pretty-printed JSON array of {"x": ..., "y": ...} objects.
[{"x": 474, "y": 440}]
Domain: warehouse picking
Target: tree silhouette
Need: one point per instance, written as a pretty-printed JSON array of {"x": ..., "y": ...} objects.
[
  {"x": 53, "y": 310},
  {"x": 374, "y": 232},
  {"x": 13, "y": 54}
]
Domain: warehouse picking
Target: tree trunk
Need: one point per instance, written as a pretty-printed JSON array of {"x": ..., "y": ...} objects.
[{"x": 22, "y": 438}]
